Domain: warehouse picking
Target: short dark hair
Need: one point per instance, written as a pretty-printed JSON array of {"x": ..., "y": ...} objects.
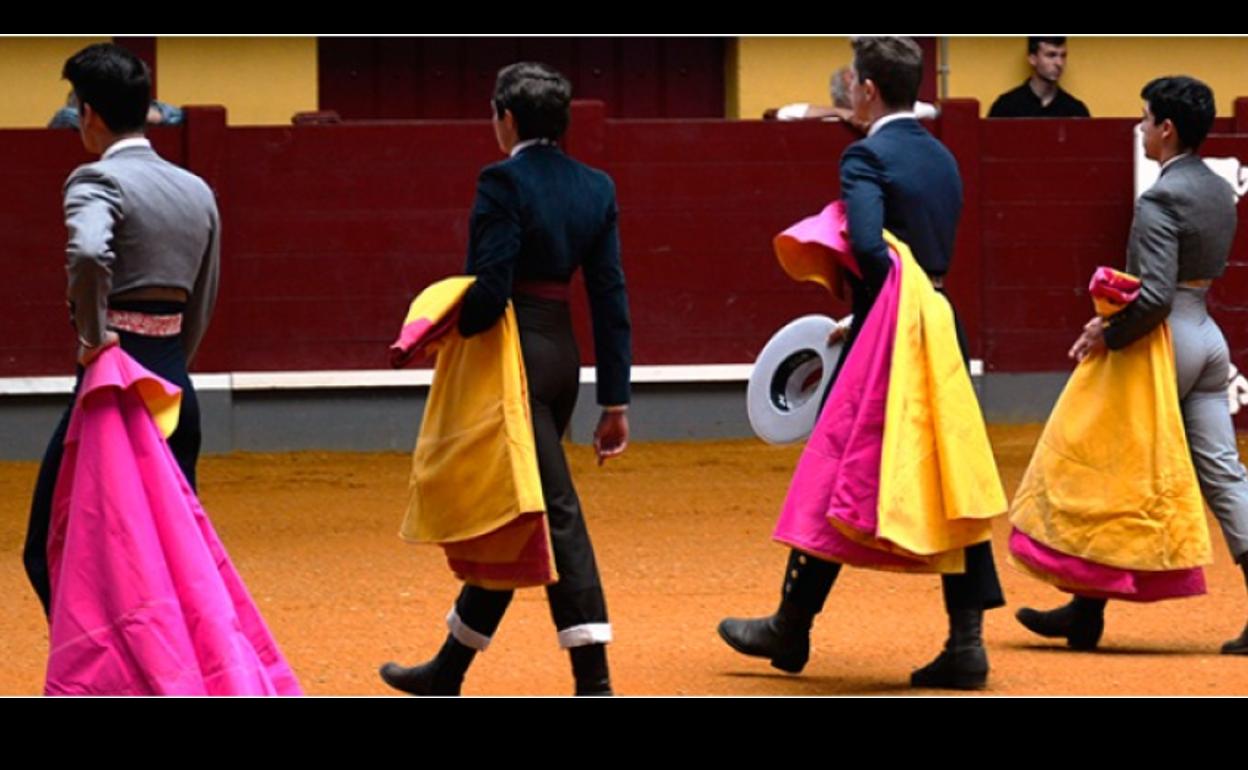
[
  {"x": 1186, "y": 102},
  {"x": 115, "y": 82},
  {"x": 537, "y": 95},
  {"x": 894, "y": 64},
  {"x": 1033, "y": 43}
]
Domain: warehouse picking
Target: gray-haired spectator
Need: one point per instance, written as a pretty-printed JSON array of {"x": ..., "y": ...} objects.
[{"x": 838, "y": 88}]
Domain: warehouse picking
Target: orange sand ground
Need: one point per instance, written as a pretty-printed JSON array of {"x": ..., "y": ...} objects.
[{"x": 682, "y": 532}]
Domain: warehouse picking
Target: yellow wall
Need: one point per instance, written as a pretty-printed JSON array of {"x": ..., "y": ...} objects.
[
  {"x": 264, "y": 81},
  {"x": 31, "y": 89},
  {"x": 769, "y": 72},
  {"x": 260, "y": 81},
  {"x": 1106, "y": 73},
  {"x": 732, "y": 90}
]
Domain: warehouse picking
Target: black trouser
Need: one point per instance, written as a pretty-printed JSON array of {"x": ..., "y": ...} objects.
[
  {"x": 160, "y": 355},
  {"x": 809, "y": 579},
  {"x": 552, "y": 365}
]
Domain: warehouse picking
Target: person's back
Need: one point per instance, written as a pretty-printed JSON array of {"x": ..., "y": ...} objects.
[
  {"x": 166, "y": 207},
  {"x": 923, "y": 191},
  {"x": 162, "y": 224},
  {"x": 1182, "y": 232},
  {"x": 1180, "y": 239},
  {"x": 537, "y": 216},
  {"x": 1204, "y": 208},
  {"x": 567, "y": 209},
  {"x": 901, "y": 179},
  {"x": 141, "y": 260}
]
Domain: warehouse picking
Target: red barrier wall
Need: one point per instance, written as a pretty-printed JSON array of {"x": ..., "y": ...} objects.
[{"x": 330, "y": 230}]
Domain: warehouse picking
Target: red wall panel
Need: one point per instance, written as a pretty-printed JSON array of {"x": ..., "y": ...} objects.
[
  {"x": 330, "y": 230},
  {"x": 453, "y": 78}
]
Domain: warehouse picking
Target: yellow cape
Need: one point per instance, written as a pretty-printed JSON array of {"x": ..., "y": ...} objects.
[
  {"x": 939, "y": 485},
  {"x": 475, "y": 487},
  {"x": 1111, "y": 480}
]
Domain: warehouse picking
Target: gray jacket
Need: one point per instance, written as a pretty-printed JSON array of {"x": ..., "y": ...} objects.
[
  {"x": 1182, "y": 231},
  {"x": 135, "y": 220}
]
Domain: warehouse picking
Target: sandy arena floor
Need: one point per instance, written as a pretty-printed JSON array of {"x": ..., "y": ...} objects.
[{"x": 682, "y": 533}]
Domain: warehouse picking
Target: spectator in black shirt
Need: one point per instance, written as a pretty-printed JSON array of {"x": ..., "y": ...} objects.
[{"x": 1040, "y": 96}]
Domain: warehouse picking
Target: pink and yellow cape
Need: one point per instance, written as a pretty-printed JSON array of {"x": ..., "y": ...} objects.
[
  {"x": 898, "y": 473},
  {"x": 1110, "y": 506}
]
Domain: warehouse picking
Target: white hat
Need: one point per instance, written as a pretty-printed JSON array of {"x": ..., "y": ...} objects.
[{"x": 789, "y": 378}]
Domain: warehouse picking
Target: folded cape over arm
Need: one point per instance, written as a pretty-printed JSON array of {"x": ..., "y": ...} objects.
[{"x": 475, "y": 487}]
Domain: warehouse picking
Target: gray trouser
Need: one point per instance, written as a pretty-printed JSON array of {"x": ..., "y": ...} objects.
[{"x": 1203, "y": 362}]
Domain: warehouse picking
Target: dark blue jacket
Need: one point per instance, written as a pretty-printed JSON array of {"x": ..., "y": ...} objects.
[
  {"x": 904, "y": 180},
  {"x": 539, "y": 216}
]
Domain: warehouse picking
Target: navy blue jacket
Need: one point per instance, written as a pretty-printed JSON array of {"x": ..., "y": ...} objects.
[
  {"x": 538, "y": 217},
  {"x": 904, "y": 180}
]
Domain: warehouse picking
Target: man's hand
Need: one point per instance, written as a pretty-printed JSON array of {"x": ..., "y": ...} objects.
[
  {"x": 1091, "y": 342},
  {"x": 838, "y": 333},
  {"x": 611, "y": 435},
  {"x": 88, "y": 354},
  {"x": 847, "y": 115},
  {"x": 400, "y": 358}
]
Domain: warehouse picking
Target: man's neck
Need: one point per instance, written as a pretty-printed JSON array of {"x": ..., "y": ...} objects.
[
  {"x": 887, "y": 117},
  {"x": 113, "y": 139},
  {"x": 1169, "y": 154},
  {"x": 1045, "y": 90}
]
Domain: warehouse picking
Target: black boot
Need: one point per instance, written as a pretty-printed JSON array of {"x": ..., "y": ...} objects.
[
  {"x": 589, "y": 667},
  {"x": 1081, "y": 622},
  {"x": 443, "y": 675},
  {"x": 784, "y": 637},
  {"x": 1239, "y": 646},
  {"x": 963, "y": 664}
]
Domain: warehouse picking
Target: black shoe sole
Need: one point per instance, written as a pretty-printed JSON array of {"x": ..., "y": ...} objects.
[
  {"x": 789, "y": 665},
  {"x": 1082, "y": 645}
]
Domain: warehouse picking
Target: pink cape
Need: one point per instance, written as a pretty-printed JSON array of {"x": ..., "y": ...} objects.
[
  {"x": 145, "y": 600},
  {"x": 1099, "y": 581},
  {"x": 838, "y": 475}
]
